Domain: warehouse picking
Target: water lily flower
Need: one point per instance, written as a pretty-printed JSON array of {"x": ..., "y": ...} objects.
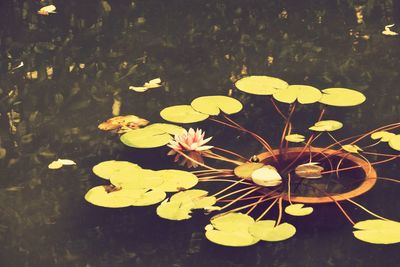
[{"x": 191, "y": 143}]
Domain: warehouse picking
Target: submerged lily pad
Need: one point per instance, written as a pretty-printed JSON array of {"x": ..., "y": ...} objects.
[
  {"x": 378, "y": 231},
  {"x": 298, "y": 210},
  {"x": 182, "y": 114},
  {"x": 212, "y": 105},
  {"x": 394, "y": 142},
  {"x": 260, "y": 85},
  {"x": 267, "y": 231},
  {"x": 341, "y": 97},
  {"x": 245, "y": 170},
  {"x": 304, "y": 94},
  {"x": 106, "y": 169},
  {"x": 384, "y": 136},
  {"x": 175, "y": 180},
  {"x": 327, "y": 125},
  {"x": 351, "y": 148},
  {"x": 295, "y": 138}
]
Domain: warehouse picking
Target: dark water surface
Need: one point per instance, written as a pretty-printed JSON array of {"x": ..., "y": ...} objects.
[{"x": 197, "y": 48}]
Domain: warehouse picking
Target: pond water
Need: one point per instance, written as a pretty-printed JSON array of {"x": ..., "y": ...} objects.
[{"x": 81, "y": 60}]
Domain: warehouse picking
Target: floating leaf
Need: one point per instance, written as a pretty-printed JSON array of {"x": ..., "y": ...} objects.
[
  {"x": 234, "y": 221},
  {"x": 327, "y": 125},
  {"x": 66, "y": 162},
  {"x": 150, "y": 197},
  {"x": 378, "y": 231},
  {"x": 197, "y": 197},
  {"x": 55, "y": 165},
  {"x": 99, "y": 196},
  {"x": 123, "y": 124},
  {"x": 46, "y": 10},
  {"x": 146, "y": 138},
  {"x": 260, "y": 85},
  {"x": 174, "y": 211},
  {"x": 309, "y": 170},
  {"x": 298, "y": 210},
  {"x": 106, "y": 169},
  {"x": 245, "y": 170},
  {"x": 182, "y": 114},
  {"x": 267, "y": 231},
  {"x": 137, "y": 179},
  {"x": 212, "y": 105},
  {"x": 394, "y": 142},
  {"x": 295, "y": 138},
  {"x": 175, "y": 180},
  {"x": 266, "y": 176},
  {"x": 231, "y": 238},
  {"x": 351, "y": 148},
  {"x": 167, "y": 128},
  {"x": 304, "y": 94},
  {"x": 154, "y": 83},
  {"x": 341, "y": 97},
  {"x": 384, "y": 136}
]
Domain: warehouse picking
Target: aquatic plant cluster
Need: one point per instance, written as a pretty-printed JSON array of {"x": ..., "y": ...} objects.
[{"x": 287, "y": 178}]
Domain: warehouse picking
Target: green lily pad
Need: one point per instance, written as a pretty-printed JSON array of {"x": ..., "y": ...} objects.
[
  {"x": 212, "y": 105},
  {"x": 176, "y": 180},
  {"x": 298, "y": 210},
  {"x": 384, "y": 136},
  {"x": 198, "y": 198},
  {"x": 167, "y": 128},
  {"x": 231, "y": 238},
  {"x": 138, "y": 179},
  {"x": 234, "y": 221},
  {"x": 260, "y": 85},
  {"x": 245, "y": 170},
  {"x": 106, "y": 169},
  {"x": 351, "y": 148},
  {"x": 341, "y": 97},
  {"x": 150, "y": 197},
  {"x": 146, "y": 138},
  {"x": 295, "y": 138},
  {"x": 378, "y": 231},
  {"x": 394, "y": 142},
  {"x": 182, "y": 114},
  {"x": 327, "y": 125},
  {"x": 116, "y": 199},
  {"x": 304, "y": 94},
  {"x": 267, "y": 231},
  {"x": 174, "y": 211}
]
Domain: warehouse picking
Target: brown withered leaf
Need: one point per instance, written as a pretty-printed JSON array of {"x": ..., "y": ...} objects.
[{"x": 123, "y": 124}]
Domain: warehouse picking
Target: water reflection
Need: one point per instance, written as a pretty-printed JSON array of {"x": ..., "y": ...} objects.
[{"x": 78, "y": 61}]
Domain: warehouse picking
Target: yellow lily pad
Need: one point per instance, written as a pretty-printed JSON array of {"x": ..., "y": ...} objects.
[
  {"x": 99, "y": 196},
  {"x": 298, "y": 210},
  {"x": 182, "y": 114},
  {"x": 231, "y": 238},
  {"x": 304, "y": 94},
  {"x": 341, "y": 97},
  {"x": 174, "y": 211},
  {"x": 197, "y": 197},
  {"x": 378, "y": 231},
  {"x": 146, "y": 138},
  {"x": 327, "y": 125},
  {"x": 137, "y": 179},
  {"x": 150, "y": 197},
  {"x": 267, "y": 231},
  {"x": 266, "y": 176},
  {"x": 166, "y": 128},
  {"x": 260, "y": 85},
  {"x": 245, "y": 170},
  {"x": 295, "y": 138},
  {"x": 176, "y": 180},
  {"x": 351, "y": 148},
  {"x": 106, "y": 169},
  {"x": 234, "y": 221},
  {"x": 394, "y": 142},
  {"x": 212, "y": 105},
  {"x": 384, "y": 136}
]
